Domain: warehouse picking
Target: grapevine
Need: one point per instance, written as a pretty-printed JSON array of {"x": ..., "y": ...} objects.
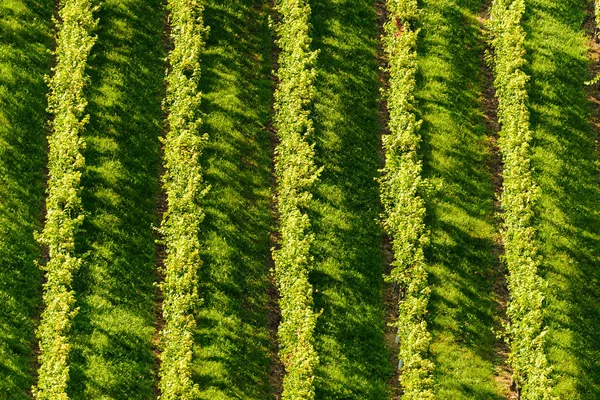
[
  {"x": 296, "y": 173},
  {"x": 185, "y": 189},
  {"x": 404, "y": 206},
  {"x": 64, "y": 215}
]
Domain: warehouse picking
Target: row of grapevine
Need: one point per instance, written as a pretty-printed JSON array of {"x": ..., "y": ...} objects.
[
  {"x": 63, "y": 204},
  {"x": 185, "y": 189},
  {"x": 296, "y": 172},
  {"x": 525, "y": 330},
  {"x": 401, "y": 187}
]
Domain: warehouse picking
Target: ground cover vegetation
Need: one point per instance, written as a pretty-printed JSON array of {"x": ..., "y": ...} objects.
[
  {"x": 234, "y": 342},
  {"x": 299, "y": 199},
  {"x": 565, "y": 167},
  {"x": 349, "y": 262},
  {"x": 458, "y": 149},
  {"x": 25, "y": 59},
  {"x": 114, "y": 335}
]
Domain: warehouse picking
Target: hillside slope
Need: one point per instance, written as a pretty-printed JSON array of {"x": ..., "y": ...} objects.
[{"x": 115, "y": 339}]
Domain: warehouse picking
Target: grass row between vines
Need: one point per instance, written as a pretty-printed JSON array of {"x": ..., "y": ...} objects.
[
  {"x": 25, "y": 37},
  {"x": 349, "y": 263},
  {"x": 565, "y": 161},
  {"x": 457, "y": 161},
  {"x": 233, "y": 345},
  {"x": 114, "y": 353}
]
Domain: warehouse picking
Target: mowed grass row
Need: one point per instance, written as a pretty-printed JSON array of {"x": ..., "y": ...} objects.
[
  {"x": 233, "y": 347},
  {"x": 457, "y": 155},
  {"x": 349, "y": 264},
  {"x": 25, "y": 43},
  {"x": 565, "y": 166},
  {"x": 112, "y": 356}
]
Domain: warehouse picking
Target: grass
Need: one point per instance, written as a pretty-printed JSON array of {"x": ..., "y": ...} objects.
[
  {"x": 456, "y": 155},
  {"x": 25, "y": 43},
  {"x": 233, "y": 346},
  {"x": 112, "y": 340},
  {"x": 566, "y": 169},
  {"x": 349, "y": 265}
]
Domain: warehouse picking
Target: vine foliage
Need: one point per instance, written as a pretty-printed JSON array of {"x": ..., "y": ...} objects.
[
  {"x": 185, "y": 189},
  {"x": 296, "y": 173},
  {"x": 525, "y": 329},
  {"x": 404, "y": 207},
  {"x": 64, "y": 212}
]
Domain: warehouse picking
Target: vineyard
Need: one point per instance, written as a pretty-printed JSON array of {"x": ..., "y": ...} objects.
[{"x": 300, "y": 199}]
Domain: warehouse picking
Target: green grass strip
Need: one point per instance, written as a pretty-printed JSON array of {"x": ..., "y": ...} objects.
[
  {"x": 525, "y": 330},
  {"x": 349, "y": 260},
  {"x": 401, "y": 187},
  {"x": 25, "y": 37},
  {"x": 457, "y": 162},
  {"x": 185, "y": 189},
  {"x": 233, "y": 348},
  {"x": 63, "y": 204},
  {"x": 114, "y": 354},
  {"x": 296, "y": 173},
  {"x": 565, "y": 161}
]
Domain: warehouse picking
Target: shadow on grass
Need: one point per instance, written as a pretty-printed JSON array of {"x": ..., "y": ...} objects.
[
  {"x": 25, "y": 44},
  {"x": 113, "y": 350},
  {"x": 349, "y": 264},
  {"x": 566, "y": 169},
  {"x": 233, "y": 348},
  {"x": 460, "y": 210}
]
